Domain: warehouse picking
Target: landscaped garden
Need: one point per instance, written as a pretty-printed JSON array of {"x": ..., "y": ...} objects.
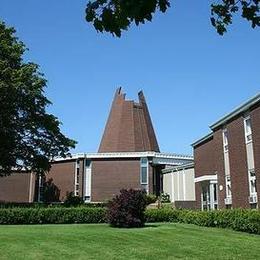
[
  {"x": 70, "y": 231},
  {"x": 99, "y": 241}
]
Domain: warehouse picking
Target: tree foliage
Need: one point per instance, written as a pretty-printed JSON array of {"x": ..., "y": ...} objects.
[
  {"x": 29, "y": 136},
  {"x": 114, "y": 16}
]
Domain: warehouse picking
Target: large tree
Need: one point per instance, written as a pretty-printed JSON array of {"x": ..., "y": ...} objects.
[
  {"x": 29, "y": 136},
  {"x": 114, "y": 16}
]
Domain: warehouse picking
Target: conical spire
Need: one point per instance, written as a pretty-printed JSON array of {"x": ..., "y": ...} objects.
[{"x": 129, "y": 126}]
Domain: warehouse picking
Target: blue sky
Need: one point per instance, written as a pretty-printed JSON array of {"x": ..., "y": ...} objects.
[{"x": 190, "y": 75}]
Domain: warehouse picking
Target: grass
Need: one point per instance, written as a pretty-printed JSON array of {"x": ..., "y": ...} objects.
[{"x": 159, "y": 241}]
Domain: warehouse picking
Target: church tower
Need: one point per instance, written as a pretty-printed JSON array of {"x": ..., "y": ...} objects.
[{"x": 129, "y": 126}]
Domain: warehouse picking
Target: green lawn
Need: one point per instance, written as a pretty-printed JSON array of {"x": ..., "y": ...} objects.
[{"x": 158, "y": 241}]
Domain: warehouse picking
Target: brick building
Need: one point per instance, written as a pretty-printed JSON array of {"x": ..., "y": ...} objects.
[
  {"x": 227, "y": 161},
  {"x": 128, "y": 157}
]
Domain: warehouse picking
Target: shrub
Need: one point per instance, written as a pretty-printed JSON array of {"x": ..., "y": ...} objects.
[
  {"x": 165, "y": 198},
  {"x": 52, "y": 215},
  {"x": 127, "y": 209},
  {"x": 150, "y": 198},
  {"x": 245, "y": 220},
  {"x": 72, "y": 200}
]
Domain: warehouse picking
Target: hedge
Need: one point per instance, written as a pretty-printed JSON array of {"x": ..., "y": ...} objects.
[
  {"x": 237, "y": 219},
  {"x": 52, "y": 215},
  {"x": 7, "y": 205}
]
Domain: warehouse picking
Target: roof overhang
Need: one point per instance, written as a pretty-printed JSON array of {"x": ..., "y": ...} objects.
[
  {"x": 202, "y": 140},
  {"x": 206, "y": 178},
  {"x": 178, "y": 168},
  {"x": 157, "y": 158},
  {"x": 241, "y": 109}
]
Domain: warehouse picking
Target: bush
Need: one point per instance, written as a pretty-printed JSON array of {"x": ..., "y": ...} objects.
[
  {"x": 150, "y": 198},
  {"x": 165, "y": 198},
  {"x": 72, "y": 200},
  {"x": 245, "y": 220},
  {"x": 52, "y": 215},
  {"x": 7, "y": 205},
  {"x": 127, "y": 209}
]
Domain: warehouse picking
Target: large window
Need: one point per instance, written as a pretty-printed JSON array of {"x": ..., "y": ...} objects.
[
  {"x": 252, "y": 182},
  {"x": 76, "y": 189},
  {"x": 228, "y": 187},
  {"x": 248, "y": 129},
  {"x": 144, "y": 174},
  {"x": 225, "y": 140}
]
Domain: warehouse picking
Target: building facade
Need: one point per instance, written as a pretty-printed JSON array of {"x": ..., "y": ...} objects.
[
  {"x": 128, "y": 157},
  {"x": 227, "y": 161},
  {"x": 178, "y": 182}
]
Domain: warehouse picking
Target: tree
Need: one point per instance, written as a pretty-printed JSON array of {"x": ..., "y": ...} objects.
[
  {"x": 29, "y": 136},
  {"x": 114, "y": 16}
]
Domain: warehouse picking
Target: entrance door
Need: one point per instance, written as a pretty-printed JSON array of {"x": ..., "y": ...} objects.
[{"x": 209, "y": 199}]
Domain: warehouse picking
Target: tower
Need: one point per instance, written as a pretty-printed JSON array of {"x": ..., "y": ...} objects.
[{"x": 129, "y": 126}]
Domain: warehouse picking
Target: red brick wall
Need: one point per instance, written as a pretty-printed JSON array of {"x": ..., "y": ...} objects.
[
  {"x": 204, "y": 164},
  {"x": 110, "y": 176},
  {"x": 16, "y": 187},
  {"x": 63, "y": 174},
  {"x": 255, "y": 119},
  {"x": 129, "y": 127},
  {"x": 204, "y": 158},
  {"x": 238, "y": 163}
]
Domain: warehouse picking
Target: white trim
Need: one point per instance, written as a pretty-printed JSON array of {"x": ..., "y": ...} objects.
[
  {"x": 202, "y": 140},
  {"x": 241, "y": 109},
  {"x": 125, "y": 155},
  {"x": 173, "y": 199},
  {"x": 247, "y": 134},
  {"x": 206, "y": 178},
  {"x": 184, "y": 185},
  {"x": 185, "y": 166},
  {"x": 88, "y": 175},
  {"x": 30, "y": 187}
]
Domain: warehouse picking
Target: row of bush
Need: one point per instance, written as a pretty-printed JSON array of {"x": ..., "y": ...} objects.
[
  {"x": 52, "y": 215},
  {"x": 237, "y": 219},
  {"x": 245, "y": 220},
  {"x": 7, "y": 205}
]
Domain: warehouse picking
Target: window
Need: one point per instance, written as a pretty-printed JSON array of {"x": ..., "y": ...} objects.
[
  {"x": 88, "y": 163},
  {"x": 248, "y": 130},
  {"x": 225, "y": 140},
  {"x": 252, "y": 182},
  {"x": 76, "y": 185},
  {"x": 144, "y": 171},
  {"x": 228, "y": 187}
]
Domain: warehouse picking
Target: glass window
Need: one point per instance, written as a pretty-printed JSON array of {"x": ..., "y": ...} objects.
[
  {"x": 252, "y": 182},
  {"x": 88, "y": 163},
  {"x": 248, "y": 130},
  {"x": 228, "y": 186},
  {"x": 144, "y": 161},
  {"x": 144, "y": 175},
  {"x": 225, "y": 140}
]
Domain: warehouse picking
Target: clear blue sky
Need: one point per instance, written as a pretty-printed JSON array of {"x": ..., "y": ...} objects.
[{"x": 190, "y": 75}]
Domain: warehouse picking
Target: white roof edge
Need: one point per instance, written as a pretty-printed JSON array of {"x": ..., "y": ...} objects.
[
  {"x": 240, "y": 109},
  {"x": 180, "y": 167},
  {"x": 124, "y": 155},
  {"x": 203, "y": 139}
]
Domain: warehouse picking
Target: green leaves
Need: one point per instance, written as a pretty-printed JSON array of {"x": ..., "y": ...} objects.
[
  {"x": 29, "y": 137},
  {"x": 222, "y": 13},
  {"x": 114, "y": 16}
]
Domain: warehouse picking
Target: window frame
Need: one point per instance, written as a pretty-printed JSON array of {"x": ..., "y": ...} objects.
[
  {"x": 248, "y": 134},
  {"x": 144, "y": 165},
  {"x": 225, "y": 140}
]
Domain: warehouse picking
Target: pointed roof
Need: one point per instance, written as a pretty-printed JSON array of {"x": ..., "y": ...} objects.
[{"x": 129, "y": 126}]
